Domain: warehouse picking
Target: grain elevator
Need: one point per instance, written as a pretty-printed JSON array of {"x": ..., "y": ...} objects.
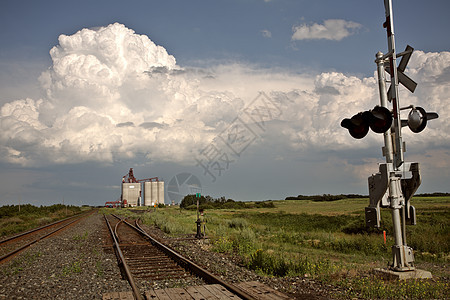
[
  {"x": 151, "y": 194},
  {"x": 132, "y": 193}
]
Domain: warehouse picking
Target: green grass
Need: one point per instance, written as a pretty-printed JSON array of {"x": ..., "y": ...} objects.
[
  {"x": 339, "y": 207},
  {"x": 371, "y": 287},
  {"x": 17, "y": 265},
  {"x": 325, "y": 240},
  {"x": 13, "y": 221},
  {"x": 74, "y": 267},
  {"x": 99, "y": 267},
  {"x": 81, "y": 237}
]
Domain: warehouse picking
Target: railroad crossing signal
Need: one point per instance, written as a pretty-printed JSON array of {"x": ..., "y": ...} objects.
[
  {"x": 402, "y": 78},
  {"x": 379, "y": 194},
  {"x": 418, "y": 118},
  {"x": 378, "y": 119},
  {"x": 391, "y": 187}
]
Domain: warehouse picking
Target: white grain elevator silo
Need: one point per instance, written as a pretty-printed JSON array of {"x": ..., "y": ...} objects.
[
  {"x": 131, "y": 191},
  {"x": 153, "y": 193}
]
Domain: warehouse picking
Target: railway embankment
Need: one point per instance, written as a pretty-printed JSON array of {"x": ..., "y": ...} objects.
[
  {"x": 70, "y": 265},
  {"x": 79, "y": 263}
]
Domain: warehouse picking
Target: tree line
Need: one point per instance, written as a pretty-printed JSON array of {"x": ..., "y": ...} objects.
[
  {"x": 329, "y": 197},
  {"x": 208, "y": 202},
  {"x": 326, "y": 197},
  {"x": 28, "y": 209}
]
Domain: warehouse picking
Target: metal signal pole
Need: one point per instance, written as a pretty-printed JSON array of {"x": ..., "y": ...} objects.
[
  {"x": 397, "y": 181},
  {"x": 403, "y": 258},
  {"x": 389, "y": 25},
  {"x": 383, "y": 102}
]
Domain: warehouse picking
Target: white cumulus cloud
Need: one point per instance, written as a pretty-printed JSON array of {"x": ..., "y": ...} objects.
[
  {"x": 332, "y": 29},
  {"x": 112, "y": 94}
]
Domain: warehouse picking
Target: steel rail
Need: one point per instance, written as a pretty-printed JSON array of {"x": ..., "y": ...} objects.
[
  {"x": 123, "y": 263},
  {"x": 115, "y": 231},
  {"x": 15, "y": 251},
  {"x": 194, "y": 268}
]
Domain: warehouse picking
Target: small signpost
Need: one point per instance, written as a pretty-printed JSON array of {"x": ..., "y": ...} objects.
[{"x": 199, "y": 234}]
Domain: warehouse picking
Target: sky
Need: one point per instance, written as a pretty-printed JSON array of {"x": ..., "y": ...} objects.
[{"x": 238, "y": 98}]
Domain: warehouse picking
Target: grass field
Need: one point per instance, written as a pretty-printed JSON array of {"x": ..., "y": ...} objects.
[
  {"x": 327, "y": 241},
  {"x": 14, "y": 220}
]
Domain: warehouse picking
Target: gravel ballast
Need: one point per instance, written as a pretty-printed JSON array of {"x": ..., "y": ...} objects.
[
  {"x": 78, "y": 264},
  {"x": 229, "y": 269},
  {"x": 70, "y": 265}
]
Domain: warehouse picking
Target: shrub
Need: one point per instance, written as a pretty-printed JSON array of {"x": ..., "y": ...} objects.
[
  {"x": 273, "y": 265},
  {"x": 238, "y": 223},
  {"x": 245, "y": 242},
  {"x": 223, "y": 245},
  {"x": 265, "y": 204}
]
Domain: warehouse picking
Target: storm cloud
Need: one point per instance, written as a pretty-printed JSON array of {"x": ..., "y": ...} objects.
[{"x": 111, "y": 93}]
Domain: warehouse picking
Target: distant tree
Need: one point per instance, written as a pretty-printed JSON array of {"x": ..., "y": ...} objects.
[
  {"x": 325, "y": 197},
  {"x": 189, "y": 200},
  {"x": 207, "y": 202}
]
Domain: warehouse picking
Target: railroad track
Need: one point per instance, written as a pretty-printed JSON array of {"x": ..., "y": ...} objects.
[
  {"x": 12, "y": 246},
  {"x": 144, "y": 260}
]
